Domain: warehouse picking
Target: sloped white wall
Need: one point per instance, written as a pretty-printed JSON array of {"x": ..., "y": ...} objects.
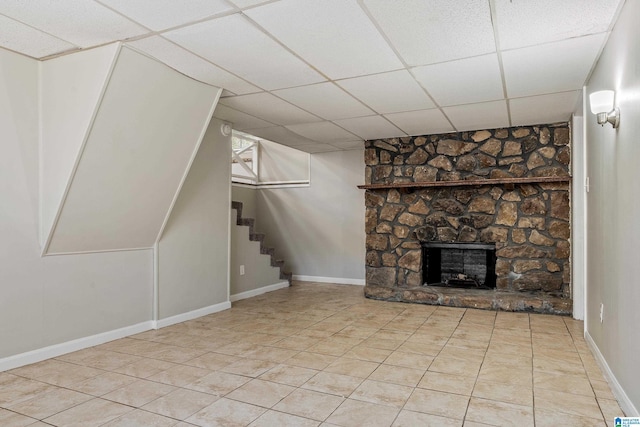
[
  {"x": 145, "y": 133},
  {"x": 613, "y": 209},
  {"x": 46, "y": 301},
  {"x": 193, "y": 252},
  {"x": 70, "y": 90}
]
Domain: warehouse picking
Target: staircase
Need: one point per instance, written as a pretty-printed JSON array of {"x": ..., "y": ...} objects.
[{"x": 259, "y": 237}]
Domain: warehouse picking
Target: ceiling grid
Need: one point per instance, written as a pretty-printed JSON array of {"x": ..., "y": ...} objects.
[{"x": 323, "y": 75}]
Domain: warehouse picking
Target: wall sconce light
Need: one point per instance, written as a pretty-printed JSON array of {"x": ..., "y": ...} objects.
[{"x": 602, "y": 107}]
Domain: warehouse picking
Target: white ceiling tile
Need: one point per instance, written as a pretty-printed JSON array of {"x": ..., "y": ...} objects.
[
  {"x": 236, "y": 45},
  {"x": 24, "y": 39},
  {"x": 421, "y": 122},
  {"x": 520, "y": 22},
  {"x": 192, "y": 65},
  {"x": 317, "y": 148},
  {"x": 162, "y": 14},
  {"x": 543, "y": 109},
  {"x": 485, "y": 115},
  {"x": 325, "y": 100},
  {"x": 554, "y": 67},
  {"x": 270, "y": 108},
  {"x": 349, "y": 145},
  {"x": 240, "y": 120},
  {"x": 282, "y": 135},
  {"x": 248, "y": 3},
  {"x": 465, "y": 81},
  {"x": 372, "y": 127},
  {"x": 322, "y": 132},
  {"x": 81, "y": 22},
  {"x": 427, "y": 32},
  {"x": 335, "y": 36},
  {"x": 388, "y": 92}
]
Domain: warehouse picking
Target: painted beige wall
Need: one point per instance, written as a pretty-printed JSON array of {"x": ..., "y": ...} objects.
[
  {"x": 319, "y": 230},
  {"x": 613, "y": 209},
  {"x": 46, "y": 301},
  {"x": 193, "y": 253},
  {"x": 248, "y": 197},
  {"x": 257, "y": 267}
]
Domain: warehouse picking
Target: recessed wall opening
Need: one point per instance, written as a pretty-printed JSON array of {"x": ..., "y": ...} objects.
[{"x": 460, "y": 265}]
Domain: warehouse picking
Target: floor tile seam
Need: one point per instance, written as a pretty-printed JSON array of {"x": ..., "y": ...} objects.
[
  {"x": 437, "y": 415},
  {"x": 71, "y": 363},
  {"x": 567, "y": 392},
  {"x": 141, "y": 408},
  {"x": 286, "y": 413},
  {"x": 533, "y": 412},
  {"x": 67, "y": 387},
  {"x": 533, "y": 380},
  {"x": 563, "y": 374},
  {"x": 227, "y": 396},
  {"x": 82, "y": 403},
  {"x": 502, "y": 401},
  {"x": 90, "y": 397},
  {"x": 475, "y": 383},
  {"x": 563, "y": 411},
  {"x": 22, "y": 415},
  {"x": 301, "y": 387},
  {"x": 392, "y": 383}
]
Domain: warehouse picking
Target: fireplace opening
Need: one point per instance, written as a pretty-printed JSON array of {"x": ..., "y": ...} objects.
[{"x": 460, "y": 265}]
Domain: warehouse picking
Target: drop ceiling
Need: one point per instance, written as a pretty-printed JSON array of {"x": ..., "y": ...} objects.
[{"x": 322, "y": 75}]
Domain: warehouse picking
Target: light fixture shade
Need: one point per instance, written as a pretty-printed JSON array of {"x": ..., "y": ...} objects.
[{"x": 601, "y": 101}]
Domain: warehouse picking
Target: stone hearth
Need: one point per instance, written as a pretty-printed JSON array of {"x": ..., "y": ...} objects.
[{"x": 417, "y": 194}]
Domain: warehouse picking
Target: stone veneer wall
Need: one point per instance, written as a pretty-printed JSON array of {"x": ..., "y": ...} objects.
[{"x": 529, "y": 223}]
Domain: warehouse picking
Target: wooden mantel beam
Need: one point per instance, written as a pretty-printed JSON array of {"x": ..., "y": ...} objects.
[{"x": 468, "y": 182}]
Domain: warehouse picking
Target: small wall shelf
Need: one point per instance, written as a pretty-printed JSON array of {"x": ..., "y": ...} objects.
[{"x": 468, "y": 182}]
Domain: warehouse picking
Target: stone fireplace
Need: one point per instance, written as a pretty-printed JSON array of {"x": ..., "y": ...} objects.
[{"x": 482, "y": 215}]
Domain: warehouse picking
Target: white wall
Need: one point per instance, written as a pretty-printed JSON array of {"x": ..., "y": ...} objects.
[
  {"x": 193, "y": 252},
  {"x": 319, "y": 230},
  {"x": 258, "y": 272},
  {"x": 259, "y": 275},
  {"x": 140, "y": 144},
  {"x": 248, "y": 197},
  {"x": 613, "y": 209},
  {"x": 70, "y": 90},
  {"x": 46, "y": 301},
  {"x": 577, "y": 215},
  {"x": 279, "y": 163}
]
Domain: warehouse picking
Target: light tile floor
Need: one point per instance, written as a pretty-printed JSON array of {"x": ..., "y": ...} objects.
[{"x": 323, "y": 355}]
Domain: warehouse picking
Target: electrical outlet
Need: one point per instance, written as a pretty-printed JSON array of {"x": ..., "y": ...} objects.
[
  {"x": 601, "y": 312},
  {"x": 242, "y": 270}
]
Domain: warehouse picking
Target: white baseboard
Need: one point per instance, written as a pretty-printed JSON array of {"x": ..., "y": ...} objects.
[
  {"x": 190, "y": 315},
  {"x": 71, "y": 346},
  {"x": 335, "y": 280},
  {"x": 259, "y": 291},
  {"x": 625, "y": 403}
]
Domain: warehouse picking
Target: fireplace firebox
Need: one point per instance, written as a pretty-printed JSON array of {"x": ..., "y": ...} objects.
[{"x": 460, "y": 265}]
